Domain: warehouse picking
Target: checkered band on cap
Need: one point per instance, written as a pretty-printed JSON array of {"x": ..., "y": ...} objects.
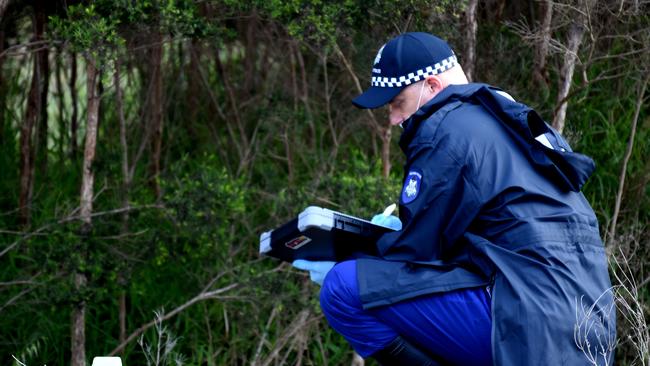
[{"x": 412, "y": 77}]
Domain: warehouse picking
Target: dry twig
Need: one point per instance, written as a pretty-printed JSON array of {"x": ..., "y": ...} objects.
[{"x": 200, "y": 297}]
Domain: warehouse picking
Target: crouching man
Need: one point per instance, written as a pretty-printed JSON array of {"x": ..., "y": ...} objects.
[{"x": 497, "y": 247}]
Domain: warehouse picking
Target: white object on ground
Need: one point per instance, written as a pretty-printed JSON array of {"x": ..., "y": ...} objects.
[{"x": 107, "y": 361}]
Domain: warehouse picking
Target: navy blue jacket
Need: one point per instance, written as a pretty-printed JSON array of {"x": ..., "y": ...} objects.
[{"x": 484, "y": 202}]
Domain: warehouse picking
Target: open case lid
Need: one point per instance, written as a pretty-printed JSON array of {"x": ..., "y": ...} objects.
[{"x": 316, "y": 217}]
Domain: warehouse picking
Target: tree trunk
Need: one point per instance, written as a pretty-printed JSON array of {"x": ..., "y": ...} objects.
[
  {"x": 243, "y": 143},
  {"x": 576, "y": 32},
  {"x": 27, "y": 149},
  {"x": 193, "y": 94},
  {"x": 304, "y": 96},
  {"x": 85, "y": 211},
  {"x": 386, "y": 135},
  {"x": 3, "y": 8},
  {"x": 494, "y": 10},
  {"x": 471, "y": 26},
  {"x": 540, "y": 74},
  {"x": 78, "y": 351},
  {"x": 42, "y": 56},
  {"x": 156, "y": 111},
  {"x": 122, "y": 318},
  {"x": 90, "y": 143},
  {"x": 126, "y": 184},
  {"x": 73, "y": 98},
  {"x": 252, "y": 47},
  {"x": 63, "y": 130},
  {"x": 3, "y": 95}
]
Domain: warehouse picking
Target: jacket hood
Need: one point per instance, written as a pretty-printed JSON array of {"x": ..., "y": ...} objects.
[{"x": 568, "y": 169}]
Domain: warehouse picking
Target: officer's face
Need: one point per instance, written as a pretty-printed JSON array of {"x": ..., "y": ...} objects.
[{"x": 411, "y": 98}]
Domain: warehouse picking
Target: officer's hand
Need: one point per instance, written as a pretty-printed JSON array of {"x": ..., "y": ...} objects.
[
  {"x": 317, "y": 270},
  {"x": 389, "y": 221}
]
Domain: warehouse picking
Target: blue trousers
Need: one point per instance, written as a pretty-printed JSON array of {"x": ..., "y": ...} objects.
[{"x": 454, "y": 326}]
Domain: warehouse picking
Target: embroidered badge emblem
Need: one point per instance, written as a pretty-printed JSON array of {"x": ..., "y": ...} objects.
[{"x": 411, "y": 186}]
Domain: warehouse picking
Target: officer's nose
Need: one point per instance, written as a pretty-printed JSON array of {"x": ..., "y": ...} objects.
[{"x": 394, "y": 117}]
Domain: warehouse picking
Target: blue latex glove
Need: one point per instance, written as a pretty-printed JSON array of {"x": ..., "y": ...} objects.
[
  {"x": 390, "y": 221},
  {"x": 317, "y": 270}
]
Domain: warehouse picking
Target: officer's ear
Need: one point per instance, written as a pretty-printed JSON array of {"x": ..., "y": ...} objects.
[{"x": 434, "y": 83}]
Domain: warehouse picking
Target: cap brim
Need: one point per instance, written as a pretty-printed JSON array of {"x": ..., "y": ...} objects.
[{"x": 375, "y": 97}]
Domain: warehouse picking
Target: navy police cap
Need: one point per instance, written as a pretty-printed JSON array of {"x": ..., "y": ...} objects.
[{"x": 404, "y": 60}]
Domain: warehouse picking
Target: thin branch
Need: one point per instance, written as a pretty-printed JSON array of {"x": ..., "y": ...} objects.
[
  {"x": 42, "y": 44},
  {"x": 14, "y": 232},
  {"x": 355, "y": 78},
  {"x": 385, "y": 131},
  {"x": 200, "y": 297},
  {"x": 15, "y": 298},
  {"x": 17, "y": 282},
  {"x": 626, "y": 159},
  {"x": 644, "y": 282},
  {"x": 121, "y": 236},
  {"x": 258, "y": 351},
  {"x": 22, "y": 282},
  {"x": 300, "y": 321},
  {"x": 74, "y": 218},
  {"x": 623, "y": 55}
]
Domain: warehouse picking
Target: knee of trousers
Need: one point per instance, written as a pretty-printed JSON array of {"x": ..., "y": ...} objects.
[{"x": 340, "y": 293}]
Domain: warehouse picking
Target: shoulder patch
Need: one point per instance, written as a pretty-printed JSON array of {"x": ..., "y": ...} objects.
[{"x": 411, "y": 187}]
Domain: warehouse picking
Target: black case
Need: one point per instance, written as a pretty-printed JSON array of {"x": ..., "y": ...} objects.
[{"x": 322, "y": 234}]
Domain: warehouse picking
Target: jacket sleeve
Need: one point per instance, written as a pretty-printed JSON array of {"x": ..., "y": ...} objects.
[{"x": 438, "y": 201}]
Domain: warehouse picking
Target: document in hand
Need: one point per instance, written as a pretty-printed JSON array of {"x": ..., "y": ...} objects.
[{"x": 321, "y": 234}]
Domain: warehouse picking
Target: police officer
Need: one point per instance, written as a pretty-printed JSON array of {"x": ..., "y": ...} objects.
[{"x": 497, "y": 259}]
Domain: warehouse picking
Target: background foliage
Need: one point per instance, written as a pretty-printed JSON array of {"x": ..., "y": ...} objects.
[{"x": 256, "y": 124}]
